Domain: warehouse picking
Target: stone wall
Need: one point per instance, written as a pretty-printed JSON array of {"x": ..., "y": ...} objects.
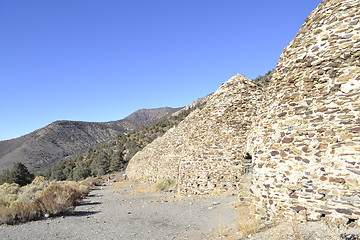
[
  {"x": 206, "y": 150},
  {"x": 305, "y": 144},
  {"x": 299, "y": 140}
]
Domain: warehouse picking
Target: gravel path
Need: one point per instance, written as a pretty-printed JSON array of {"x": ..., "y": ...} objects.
[
  {"x": 110, "y": 213},
  {"x": 120, "y": 214}
]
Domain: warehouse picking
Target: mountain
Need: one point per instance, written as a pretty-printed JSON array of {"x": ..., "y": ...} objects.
[
  {"x": 148, "y": 116},
  {"x": 291, "y": 145},
  {"x": 61, "y": 139}
]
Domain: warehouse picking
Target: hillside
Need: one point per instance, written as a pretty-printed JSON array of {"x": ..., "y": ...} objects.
[
  {"x": 61, "y": 139},
  {"x": 292, "y": 146}
]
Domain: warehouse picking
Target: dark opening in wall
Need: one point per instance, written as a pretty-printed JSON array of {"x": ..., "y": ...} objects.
[
  {"x": 351, "y": 220},
  {"x": 247, "y": 156},
  {"x": 247, "y": 163}
]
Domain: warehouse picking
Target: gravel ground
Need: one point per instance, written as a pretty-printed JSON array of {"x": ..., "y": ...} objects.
[
  {"x": 112, "y": 213},
  {"x": 120, "y": 214}
]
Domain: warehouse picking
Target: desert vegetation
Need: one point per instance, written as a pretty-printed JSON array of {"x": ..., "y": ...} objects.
[
  {"x": 264, "y": 79},
  {"x": 162, "y": 185},
  {"x": 19, "y": 175},
  {"x": 40, "y": 199}
]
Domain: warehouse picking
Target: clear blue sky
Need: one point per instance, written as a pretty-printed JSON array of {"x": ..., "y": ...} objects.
[{"x": 100, "y": 60}]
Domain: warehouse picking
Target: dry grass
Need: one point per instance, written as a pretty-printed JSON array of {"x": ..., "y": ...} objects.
[
  {"x": 334, "y": 225},
  {"x": 143, "y": 188},
  {"x": 164, "y": 185},
  {"x": 122, "y": 184},
  {"x": 92, "y": 181},
  {"x": 33, "y": 201},
  {"x": 226, "y": 233},
  {"x": 119, "y": 185},
  {"x": 246, "y": 221},
  {"x": 58, "y": 199},
  {"x": 159, "y": 186},
  {"x": 296, "y": 231}
]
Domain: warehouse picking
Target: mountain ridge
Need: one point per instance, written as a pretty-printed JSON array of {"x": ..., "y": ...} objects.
[{"x": 63, "y": 138}]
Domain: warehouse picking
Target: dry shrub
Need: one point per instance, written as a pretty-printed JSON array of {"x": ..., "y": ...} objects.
[
  {"x": 335, "y": 225},
  {"x": 143, "y": 188},
  {"x": 163, "y": 185},
  {"x": 33, "y": 201},
  {"x": 9, "y": 188},
  {"x": 246, "y": 222},
  {"x": 76, "y": 185},
  {"x": 225, "y": 233},
  {"x": 120, "y": 185},
  {"x": 29, "y": 192},
  {"x": 58, "y": 199},
  {"x": 92, "y": 181},
  {"x": 24, "y": 211},
  {"x": 18, "y": 211},
  {"x": 7, "y": 215},
  {"x": 40, "y": 182},
  {"x": 8, "y": 193}
]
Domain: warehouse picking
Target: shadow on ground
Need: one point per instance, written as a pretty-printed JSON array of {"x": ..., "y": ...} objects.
[
  {"x": 88, "y": 203},
  {"x": 84, "y": 213}
]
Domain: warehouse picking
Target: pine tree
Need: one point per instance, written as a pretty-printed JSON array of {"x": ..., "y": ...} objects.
[
  {"x": 21, "y": 175},
  {"x": 117, "y": 161},
  {"x": 100, "y": 165}
]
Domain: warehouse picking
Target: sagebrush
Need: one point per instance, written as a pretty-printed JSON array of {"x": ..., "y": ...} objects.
[{"x": 38, "y": 199}]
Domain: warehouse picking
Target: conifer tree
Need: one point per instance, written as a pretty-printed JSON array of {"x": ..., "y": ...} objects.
[{"x": 21, "y": 175}]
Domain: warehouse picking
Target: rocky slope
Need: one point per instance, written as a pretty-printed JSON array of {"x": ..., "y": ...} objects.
[
  {"x": 296, "y": 141},
  {"x": 60, "y": 139}
]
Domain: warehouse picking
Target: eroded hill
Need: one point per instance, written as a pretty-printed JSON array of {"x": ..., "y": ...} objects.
[{"x": 61, "y": 139}]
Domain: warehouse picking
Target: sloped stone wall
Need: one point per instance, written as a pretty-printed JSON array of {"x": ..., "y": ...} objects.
[
  {"x": 206, "y": 150},
  {"x": 305, "y": 144},
  {"x": 215, "y": 157},
  {"x": 299, "y": 140}
]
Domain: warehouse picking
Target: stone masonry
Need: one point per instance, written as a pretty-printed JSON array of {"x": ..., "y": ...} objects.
[
  {"x": 298, "y": 140},
  {"x": 206, "y": 150},
  {"x": 305, "y": 144}
]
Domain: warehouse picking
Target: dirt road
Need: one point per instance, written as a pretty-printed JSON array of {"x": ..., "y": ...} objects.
[{"x": 108, "y": 213}]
